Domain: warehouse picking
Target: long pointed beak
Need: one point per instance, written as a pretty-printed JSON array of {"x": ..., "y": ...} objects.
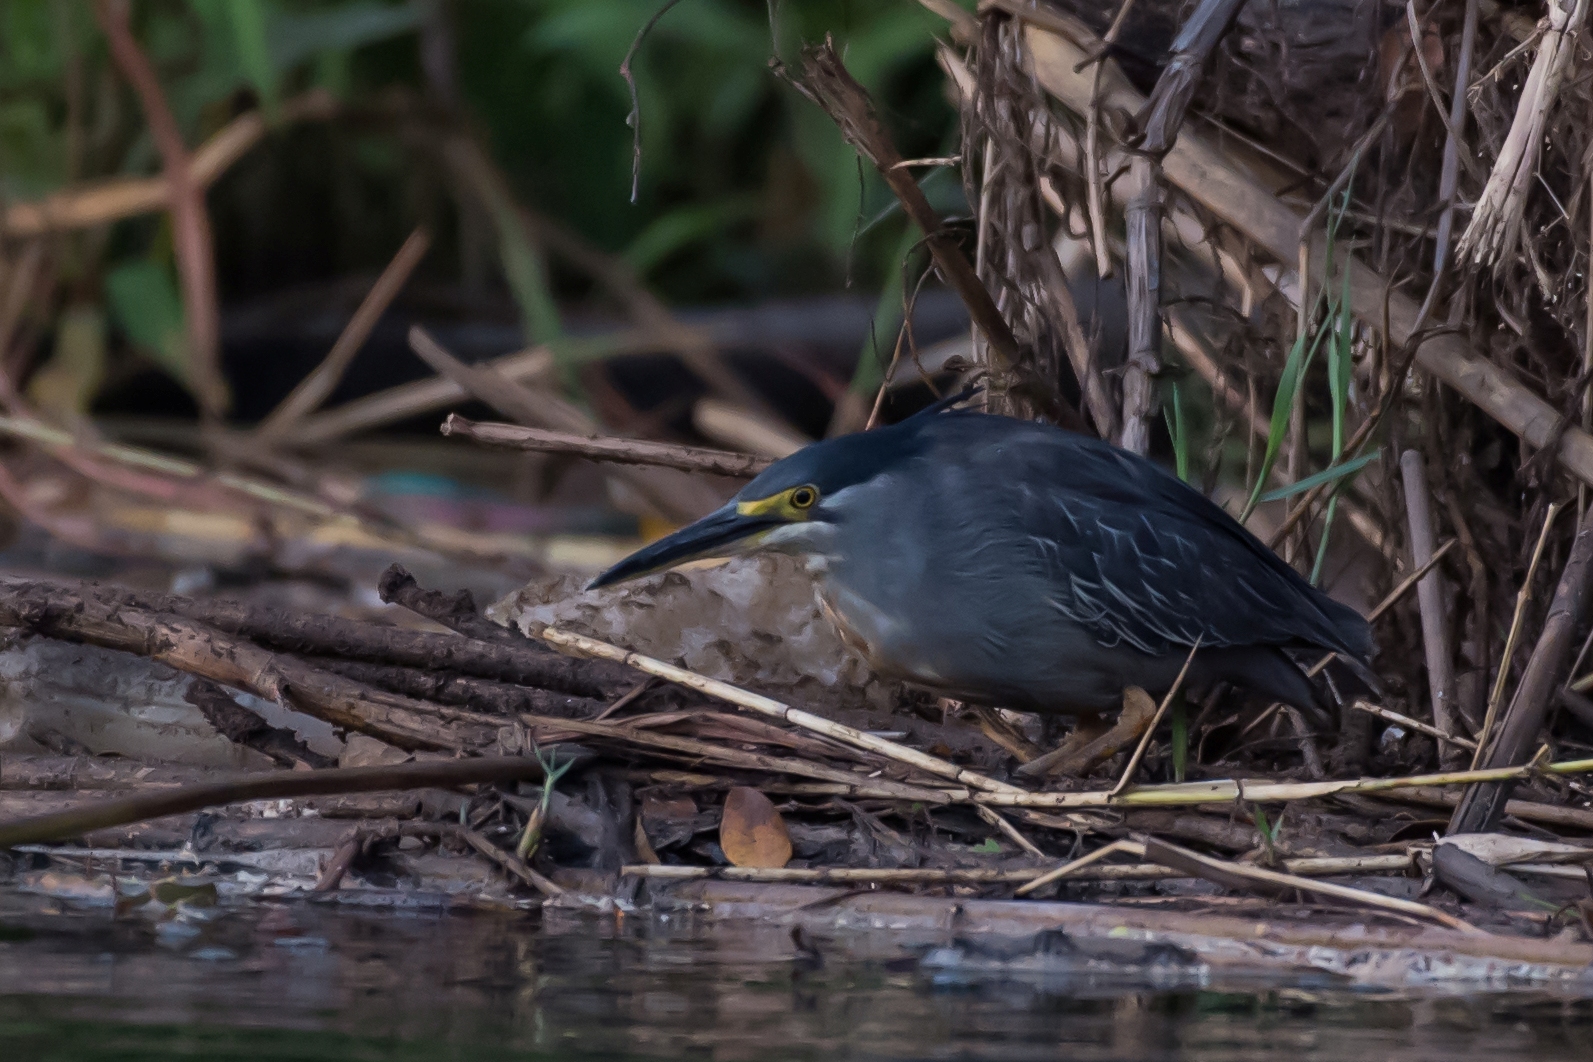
[{"x": 721, "y": 533}]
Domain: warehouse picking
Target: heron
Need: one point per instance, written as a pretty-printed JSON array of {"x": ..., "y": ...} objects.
[{"x": 1014, "y": 564}]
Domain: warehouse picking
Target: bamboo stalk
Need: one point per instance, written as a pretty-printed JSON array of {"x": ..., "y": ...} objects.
[
  {"x": 768, "y": 706},
  {"x": 1430, "y": 600},
  {"x": 1027, "y": 877}
]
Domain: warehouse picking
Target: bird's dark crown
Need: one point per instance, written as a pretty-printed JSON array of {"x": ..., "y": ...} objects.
[{"x": 835, "y": 464}]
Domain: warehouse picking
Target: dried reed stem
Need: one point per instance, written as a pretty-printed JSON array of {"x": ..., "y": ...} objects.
[{"x": 768, "y": 706}]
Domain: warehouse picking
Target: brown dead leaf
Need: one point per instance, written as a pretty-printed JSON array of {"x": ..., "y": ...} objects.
[{"x": 751, "y": 831}]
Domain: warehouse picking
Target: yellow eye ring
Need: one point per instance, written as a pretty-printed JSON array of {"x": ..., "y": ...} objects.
[{"x": 804, "y": 497}]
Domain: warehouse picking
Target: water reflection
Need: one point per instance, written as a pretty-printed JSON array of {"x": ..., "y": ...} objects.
[{"x": 318, "y": 982}]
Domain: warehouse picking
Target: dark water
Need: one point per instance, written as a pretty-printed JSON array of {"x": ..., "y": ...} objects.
[{"x": 303, "y": 981}]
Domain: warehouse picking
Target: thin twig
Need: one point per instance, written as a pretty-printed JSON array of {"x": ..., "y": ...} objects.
[
  {"x": 634, "y": 119},
  {"x": 1523, "y": 598},
  {"x": 1413, "y": 724},
  {"x": 275, "y": 785}
]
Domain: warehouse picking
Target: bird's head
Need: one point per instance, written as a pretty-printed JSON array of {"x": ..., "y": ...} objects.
[{"x": 793, "y": 506}]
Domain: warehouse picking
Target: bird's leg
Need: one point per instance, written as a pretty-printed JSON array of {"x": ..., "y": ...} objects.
[
  {"x": 1087, "y": 727},
  {"x": 1078, "y": 758},
  {"x": 1003, "y": 733}
]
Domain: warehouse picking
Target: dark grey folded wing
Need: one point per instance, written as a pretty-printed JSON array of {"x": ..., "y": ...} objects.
[{"x": 1142, "y": 559}]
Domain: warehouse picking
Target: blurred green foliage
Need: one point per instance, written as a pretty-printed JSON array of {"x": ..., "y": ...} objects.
[{"x": 746, "y": 190}]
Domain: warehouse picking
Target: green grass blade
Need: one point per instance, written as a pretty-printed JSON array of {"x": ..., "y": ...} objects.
[
  {"x": 1180, "y": 737},
  {"x": 1178, "y": 431},
  {"x": 1294, "y": 370},
  {"x": 1321, "y": 547},
  {"x": 1327, "y": 475}
]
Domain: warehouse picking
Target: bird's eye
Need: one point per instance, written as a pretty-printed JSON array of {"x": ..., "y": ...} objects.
[{"x": 804, "y": 497}]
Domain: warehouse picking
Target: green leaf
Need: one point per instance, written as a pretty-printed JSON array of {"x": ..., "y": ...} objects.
[
  {"x": 990, "y": 847},
  {"x": 1294, "y": 369},
  {"x": 293, "y": 38},
  {"x": 1327, "y": 475},
  {"x": 1322, "y": 545},
  {"x": 144, "y": 302},
  {"x": 683, "y": 227},
  {"x": 248, "y": 18}
]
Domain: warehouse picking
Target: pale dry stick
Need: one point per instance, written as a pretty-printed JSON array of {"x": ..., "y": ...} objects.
[
  {"x": 1131, "y": 847},
  {"x": 585, "y": 646},
  {"x": 608, "y": 448},
  {"x": 1161, "y": 710},
  {"x": 1523, "y": 598},
  {"x": 89, "y": 203},
  {"x": 1430, "y": 602},
  {"x": 1324, "y": 866},
  {"x": 1092, "y": 150},
  {"x": 1238, "y": 875},
  {"x": 1413, "y": 724},
  {"x": 319, "y": 384},
  {"x": 1496, "y": 219},
  {"x": 999, "y": 821}
]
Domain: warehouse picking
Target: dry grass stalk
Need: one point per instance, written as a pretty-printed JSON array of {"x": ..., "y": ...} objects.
[
  {"x": 1523, "y": 598},
  {"x": 1495, "y": 227},
  {"x": 550, "y": 730},
  {"x": 319, "y": 384},
  {"x": 1014, "y": 834},
  {"x": 768, "y": 706},
  {"x": 607, "y": 448},
  {"x": 1075, "y": 865}
]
